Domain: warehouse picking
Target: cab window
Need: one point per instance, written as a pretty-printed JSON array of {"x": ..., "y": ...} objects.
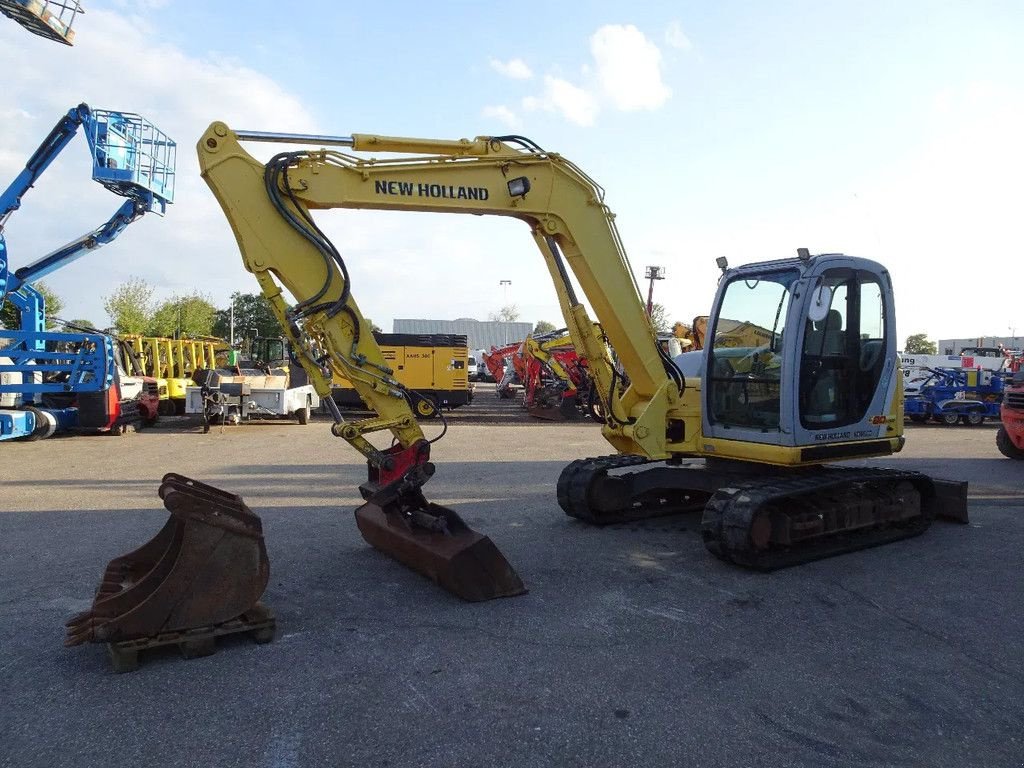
[{"x": 744, "y": 374}]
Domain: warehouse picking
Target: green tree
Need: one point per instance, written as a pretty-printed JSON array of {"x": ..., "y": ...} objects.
[
  {"x": 918, "y": 344},
  {"x": 10, "y": 317},
  {"x": 659, "y": 318},
  {"x": 252, "y": 314},
  {"x": 543, "y": 326},
  {"x": 130, "y": 306},
  {"x": 184, "y": 317}
]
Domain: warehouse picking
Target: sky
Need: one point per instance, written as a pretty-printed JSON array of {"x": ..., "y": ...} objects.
[{"x": 888, "y": 130}]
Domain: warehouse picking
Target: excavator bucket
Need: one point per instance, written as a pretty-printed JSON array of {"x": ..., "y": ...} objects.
[
  {"x": 566, "y": 410},
  {"x": 433, "y": 540},
  {"x": 207, "y": 565},
  {"x": 436, "y": 543}
]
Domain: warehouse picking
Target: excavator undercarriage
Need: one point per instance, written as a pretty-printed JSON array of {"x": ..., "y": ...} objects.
[{"x": 797, "y": 516}]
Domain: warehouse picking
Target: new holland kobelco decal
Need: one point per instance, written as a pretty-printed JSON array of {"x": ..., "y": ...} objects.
[{"x": 411, "y": 189}]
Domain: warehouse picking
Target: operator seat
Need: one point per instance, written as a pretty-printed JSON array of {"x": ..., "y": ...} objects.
[{"x": 826, "y": 337}]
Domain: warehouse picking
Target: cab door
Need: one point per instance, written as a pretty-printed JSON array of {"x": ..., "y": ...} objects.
[{"x": 847, "y": 355}]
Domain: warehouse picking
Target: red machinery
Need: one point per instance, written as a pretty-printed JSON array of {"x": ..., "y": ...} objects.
[
  {"x": 555, "y": 375},
  {"x": 495, "y": 361},
  {"x": 1010, "y": 437}
]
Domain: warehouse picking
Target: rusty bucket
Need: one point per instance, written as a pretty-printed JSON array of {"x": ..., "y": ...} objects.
[
  {"x": 435, "y": 542},
  {"x": 207, "y": 565}
]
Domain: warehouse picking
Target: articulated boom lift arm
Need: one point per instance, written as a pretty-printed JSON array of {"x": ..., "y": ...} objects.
[
  {"x": 268, "y": 208},
  {"x": 130, "y": 157}
]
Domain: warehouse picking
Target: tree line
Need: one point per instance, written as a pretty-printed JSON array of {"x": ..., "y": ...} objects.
[{"x": 132, "y": 309}]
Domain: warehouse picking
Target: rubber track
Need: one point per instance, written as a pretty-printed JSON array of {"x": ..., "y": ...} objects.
[
  {"x": 729, "y": 513},
  {"x": 576, "y": 479}
]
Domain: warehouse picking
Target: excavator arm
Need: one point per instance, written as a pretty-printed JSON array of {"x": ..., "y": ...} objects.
[
  {"x": 308, "y": 284},
  {"x": 269, "y": 205},
  {"x": 557, "y": 382}
]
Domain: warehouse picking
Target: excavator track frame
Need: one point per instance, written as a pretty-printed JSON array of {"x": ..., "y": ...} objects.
[{"x": 813, "y": 513}]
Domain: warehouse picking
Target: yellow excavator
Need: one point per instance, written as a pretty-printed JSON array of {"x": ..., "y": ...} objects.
[{"x": 744, "y": 433}]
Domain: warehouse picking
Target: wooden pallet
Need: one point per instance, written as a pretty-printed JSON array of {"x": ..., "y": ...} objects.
[{"x": 258, "y": 621}]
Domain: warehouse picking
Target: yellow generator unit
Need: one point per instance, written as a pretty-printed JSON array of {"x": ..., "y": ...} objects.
[{"x": 433, "y": 367}]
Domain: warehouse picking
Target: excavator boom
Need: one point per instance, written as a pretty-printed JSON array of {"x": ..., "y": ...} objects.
[{"x": 563, "y": 208}]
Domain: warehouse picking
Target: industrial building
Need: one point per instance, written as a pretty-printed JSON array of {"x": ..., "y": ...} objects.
[{"x": 480, "y": 334}]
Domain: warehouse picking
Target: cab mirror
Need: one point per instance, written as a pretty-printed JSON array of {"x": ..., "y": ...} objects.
[{"x": 821, "y": 302}]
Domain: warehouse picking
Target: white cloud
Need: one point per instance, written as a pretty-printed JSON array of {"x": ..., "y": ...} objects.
[
  {"x": 515, "y": 69},
  {"x": 502, "y": 114},
  {"x": 628, "y": 68},
  {"x": 575, "y": 104},
  {"x": 192, "y": 248},
  {"x": 624, "y": 74},
  {"x": 676, "y": 38}
]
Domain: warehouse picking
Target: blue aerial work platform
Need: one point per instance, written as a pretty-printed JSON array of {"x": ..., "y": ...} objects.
[
  {"x": 131, "y": 158},
  {"x": 51, "y": 19}
]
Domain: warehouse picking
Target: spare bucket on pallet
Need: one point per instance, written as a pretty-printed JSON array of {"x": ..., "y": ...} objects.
[{"x": 206, "y": 566}]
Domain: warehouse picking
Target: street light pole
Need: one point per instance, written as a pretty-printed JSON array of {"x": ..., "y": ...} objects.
[{"x": 505, "y": 284}]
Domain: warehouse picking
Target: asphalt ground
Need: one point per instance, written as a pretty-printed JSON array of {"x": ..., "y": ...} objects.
[{"x": 634, "y": 647}]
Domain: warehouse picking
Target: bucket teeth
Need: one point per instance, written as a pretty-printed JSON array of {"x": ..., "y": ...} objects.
[{"x": 207, "y": 565}]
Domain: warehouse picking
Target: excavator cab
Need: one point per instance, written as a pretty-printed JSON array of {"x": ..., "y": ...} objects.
[{"x": 816, "y": 364}]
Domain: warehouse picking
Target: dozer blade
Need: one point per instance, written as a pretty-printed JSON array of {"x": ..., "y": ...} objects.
[
  {"x": 949, "y": 500},
  {"x": 432, "y": 540},
  {"x": 207, "y": 565}
]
